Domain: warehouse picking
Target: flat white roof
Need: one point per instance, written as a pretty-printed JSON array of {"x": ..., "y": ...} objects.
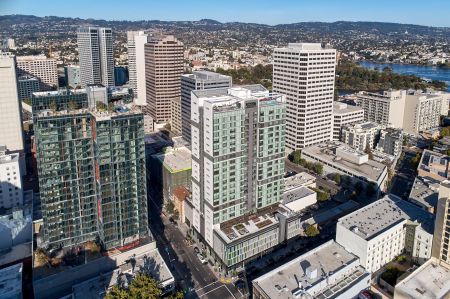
[
  {"x": 310, "y": 270},
  {"x": 429, "y": 281},
  {"x": 384, "y": 213}
]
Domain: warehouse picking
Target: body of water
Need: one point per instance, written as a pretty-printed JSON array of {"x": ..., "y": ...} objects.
[{"x": 422, "y": 71}]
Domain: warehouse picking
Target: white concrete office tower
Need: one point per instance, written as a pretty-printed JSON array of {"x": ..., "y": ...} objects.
[
  {"x": 237, "y": 154},
  {"x": 163, "y": 67},
  {"x": 11, "y": 192},
  {"x": 385, "y": 108},
  {"x": 344, "y": 114},
  {"x": 96, "y": 55},
  {"x": 198, "y": 80},
  {"x": 40, "y": 67},
  {"x": 423, "y": 111},
  {"x": 381, "y": 231},
  {"x": 305, "y": 73},
  {"x": 441, "y": 240},
  {"x": 361, "y": 136},
  {"x": 136, "y": 65},
  {"x": 11, "y": 133}
]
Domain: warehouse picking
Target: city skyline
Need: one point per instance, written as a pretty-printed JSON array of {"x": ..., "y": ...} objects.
[{"x": 431, "y": 13}]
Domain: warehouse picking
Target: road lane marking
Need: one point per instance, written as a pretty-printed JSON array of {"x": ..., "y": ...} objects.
[{"x": 216, "y": 289}]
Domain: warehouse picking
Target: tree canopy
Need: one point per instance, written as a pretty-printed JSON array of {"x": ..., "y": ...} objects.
[{"x": 141, "y": 287}]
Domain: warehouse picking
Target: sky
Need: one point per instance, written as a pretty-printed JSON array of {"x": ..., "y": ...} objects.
[{"x": 272, "y": 12}]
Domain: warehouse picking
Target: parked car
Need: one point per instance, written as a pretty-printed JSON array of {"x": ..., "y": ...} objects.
[
  {"x": 202, "y": 259},
  {"x": 240, "y": 284},
  {"x": 196, "y": 250}
]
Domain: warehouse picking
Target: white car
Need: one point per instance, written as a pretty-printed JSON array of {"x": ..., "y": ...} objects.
[{"x": 202, "y": 259}]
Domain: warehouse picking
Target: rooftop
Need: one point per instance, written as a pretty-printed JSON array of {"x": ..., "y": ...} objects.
[
  {"x": 301, "y": 179},
  {"x": 296, "y": 194},
  {"x": 176, "y": 160},
  {"x": 384, "y": 213},
  {"x": 386, "y": 96},
  {"x": 429, "y": 281},
  {"x": 316, "y": 273},
  {"x": 239, "y": 227},
  {"x": 425, "y": 191},
  {"x": 364, "y": 126},
  {"x": 343, "y": 108},
  {"x": 434, "y": 163},
  {"x": 9, "y": 158},
  {"x": 33, "y": 57},
  {"x": 100, "y": 114},
  {"x": 207, "y": 75},
  {"x": 11, "y": 282},
  {"x": 327, "y": 152}
]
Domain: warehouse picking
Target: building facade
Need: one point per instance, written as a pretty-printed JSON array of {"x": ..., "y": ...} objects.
[
  {"x": 441, "y": 240},
  {"x": 423, "y": 111},
  {"x": 11, "y": 132},
  {"x": 305, "y": 73},
  {"x": 344, "y": 114},
  {"x": 361, "y": 136},
  {"x": 136, "y": 41},
  {"x": 26, "y": 86},
  {"x": 391, "y": 142},
  {"x": 237, "y": 154},
  {"x": 91, "y": 166},
  {"x": 163, "y": 67},
  {"x": 72, "y": 74},
  {"x": 385, "y": 108},
  {"x": 41, "y": 67},
  {"x": 175, "y": 118},
  {"x": 96, "y": 55},
  {"x": 198, "y": 80},
  {"x": 381, "y": 231},
  {"x": 11, "y": 191}
]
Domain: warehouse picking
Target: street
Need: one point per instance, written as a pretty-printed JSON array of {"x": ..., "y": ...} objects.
[
  {"x": 195, "y": 278},
  {"x": 404, "y": 176}
]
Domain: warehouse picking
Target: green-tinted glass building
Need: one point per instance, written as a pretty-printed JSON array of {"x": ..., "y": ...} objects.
[
  {"x": 238, "y": 145},
  {"x": 91, "y": 167}
]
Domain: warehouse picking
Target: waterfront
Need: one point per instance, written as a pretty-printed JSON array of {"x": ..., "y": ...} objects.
[{"x": 422, "y": 71}]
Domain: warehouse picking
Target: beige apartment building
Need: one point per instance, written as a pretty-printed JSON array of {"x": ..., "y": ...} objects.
[
  {"x": 163, "y": 68},
  {"x": 41, "y": 67}
]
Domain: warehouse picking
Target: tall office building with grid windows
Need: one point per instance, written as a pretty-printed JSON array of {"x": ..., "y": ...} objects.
[
  {"x": 91, "y": 166},
  {"x": 237, "y": 154},
  {"x": 305, "y": 73},
  {"x": 163, "y": 68},
  {"x": 96, "y": 55}
]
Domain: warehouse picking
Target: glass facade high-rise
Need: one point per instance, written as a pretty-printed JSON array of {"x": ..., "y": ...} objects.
[
  {"x": 91, "y": 167},
  {"x": 237, "y": 154}
]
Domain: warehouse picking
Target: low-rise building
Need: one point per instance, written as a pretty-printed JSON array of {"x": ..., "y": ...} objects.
[
  {"x": 26, "y": 85},
  {"x": 94, "y": 279},
  {"x": 11, "y": 282},
  {"x": 434, "y": 165},
  {"x": 344, "y": 114},
  {"x": 339, "y": 158},
  {"x": 424, "y": 193},
  {"x": 327, "y": 271},
  {"x": 172, "y": 169},
  {"x": 301, "y": 179},
  {"x": 15, "y": 229},
  {"x": 429, "y": 281},
  {"x": 390, "y": 142},
  {"x": 361, "y": 136},
  {"x": 180, "y": 197},
  {"x": 11, "y": 192},
  {"x": 381, "y": 231},
  {"x": 442, "y": 145}
]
